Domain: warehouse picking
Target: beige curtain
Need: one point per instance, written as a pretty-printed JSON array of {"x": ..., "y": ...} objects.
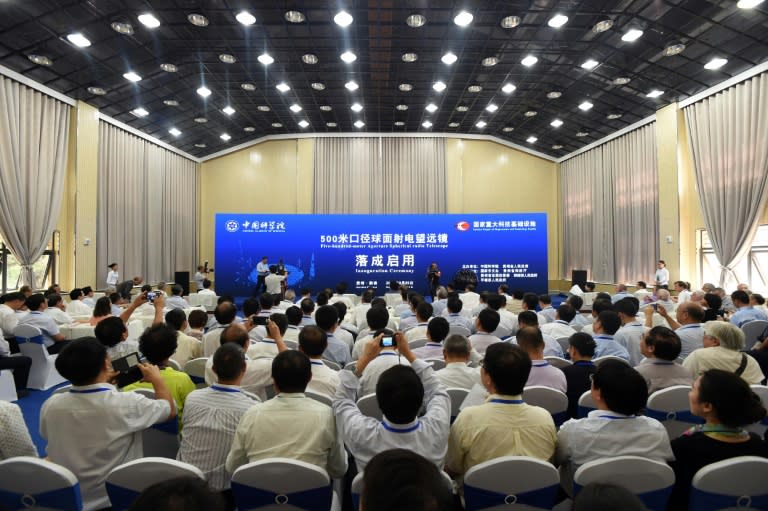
[
  {"x": 729, "y": 139},
  {"x": 146, "y": 209},
  {"x": 379, "y": 175},
  {"x": 34, "y": 133}
]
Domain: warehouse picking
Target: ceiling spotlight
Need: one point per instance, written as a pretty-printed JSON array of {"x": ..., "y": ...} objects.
[
  {"x": 348, "y": 57},
  {"x": 171, "y": 102},
  {"x": 415, "y": 20},
  {"x": 453, "y": 125},
  {"x": 531, "y": 139},
  {"x": 245, "y": 18},
  {"x": 529, "y": 61},
  {"x": 614, "y": 115},
  {"x": 554, "y": 94},
  {"x": 149, "y": 20},
  {"x": 748, "y": 4},
  {"x": 248, "y": 86},
  {"x": 140, "y": 112},
  {"x": 655, "y": 93},
  {"x": 431, "y": 108},
  {"x": 198, "y": 20},
  {"x": 277, "y": 125},
  {"x": 410, "y": 57},
  {"x": 168, "y": 67},
  {"x": 426, "y": 124},
  {"x": 201, "y": 146},
  {"x": 586, "y": 105},
  {"x": 283, "y": 87},
  {"x": 492, "y": 108},
  {"x": 674, "y": 48},
  {"x": 249, "y": 129},
  {"x": 359, "y": 124},
  {"x": 79, "y": 40},
  {"x": 557, "y": 146},
  {"x": 40, "y": 60},
  {"x": 474, "y": 88},
  {"x": 343, "y": 19},
  {"x": 132, "y": 77},
  {"x": 402, "y": 107},
  {"x": 225, "y": 137},
  {"x": 715, "y": 63},
  {"x": 507, "y": 129},
  {"x": 295, "y": 108},
  {"x": 204, "y": 91},
  {"x": 122, "y": 27},
  {"x": 303, "y": 123},
  {"x": 508, "y": 88},
  {"x": 621, "y": 80},
  {"x": 331, "y": 124},
  {"x": 318, "y": 85},
  {"x": 399, "y": 123},
  {"x": 490, "y": 61},
  {"x": 228, "y": 110},
  {"x": 227, "y": 58},
  {"x": 590, "y": 64},
  {"x": 582, "y": 133},
  {"x": 405, "y": 87},
  {"x": 351, "y": 85},
  {"x": 265, "y": 58},
  {"x": 326, "y": 108},
  {"x": 174, "y": 132},
  {"x": 295, "y": 17},
  {"x": 557, "y": 21},
  {"x": 556, "y": 123},
  {"x": 602, "y": 25},
  {"x": 201, "y": 120},
  {"x": 531, "y": 113},
  {"x": 439, "y": 86},
  {"x": 357, "y": 107},
  {"x": 633, "y": 34},
  {"x": 309, "y": 58},
  {"x": 510, "y": 21},
  {"x": 481, "y": 124},
  {"x": 263, "y": 108},
  {"x": 463, "y": 19},
  {"x": 449, "y": 58},
  {"x": 98, "y": 91},
  {"x": 462, "y": 108}
]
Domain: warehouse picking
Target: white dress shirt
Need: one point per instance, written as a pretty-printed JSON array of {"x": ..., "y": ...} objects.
[
  {"x": 629, "y": 336},
  {"x": 263, "y": 348},
  {"x": 691, "y": 338},
  {"x": 206, "y": 292},
  {"x": 547, "y": 315},
  {"x": 456, "y": 318},
  {"x": 176, "y": 302},
  {"x": 557, "y": 329},
  {"x": 481, "y": 340},
  {"x": 375, "y": 367},
  {"x": 112, "y": 278},
  {"x": 187, "y": 348},
  {"x": 459, "y": 375},
  {"x": 59, "y": 316},
  {"x": 359, "y": 315},
  {"x": 324, "y": 379},
  {"x": 546, "y": 375},
  {"x": 419, "y": 331},
  {"x": 292, "y": 333},
  {"x": 9, "y": 318},
  {"x": 212, "y": 340},
  {"x": 430, "y": 350},
  {"x": 258, "y": 374},
  {"x": 79, "y": 308},
  {"x": 272, "y": 281},
  {"x": 45, "y": 323}
]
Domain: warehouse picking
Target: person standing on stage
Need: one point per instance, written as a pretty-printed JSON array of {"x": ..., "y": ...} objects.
[
  {"x": 662, "y": 275},
  {"x": 433, "y": 279},
  {"x": 262, "y": 268},
  {"x": 112, "y": 277}
]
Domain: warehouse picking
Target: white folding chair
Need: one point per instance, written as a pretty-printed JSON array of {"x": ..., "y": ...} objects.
[
  {"x": 320, "y": 398},
  {"x": 43, "y": 374},
  {"x": 459, "y": 330},
  {"x": 78, "y": 331},
  {"x": 554, "y": 401},
  {"x": 650, "y": 480},
  {"x": 125, "y": 482},
  {"x": 33, "y": 483},
  {"x": 760, "y": 427},
  {"x": 417, "y": 343},
  {"x": 173, "y": 364},
  {"x": 736, "y": 483},
  {"x": 281, "y": 483},
  {"x": 369, "y": 406},
  {"x": 436, "y": 363},
  {"x": 586, "y": 404},
  {"x": 160, "y": 440},
  {"x": 489, "y": 485},
  {"x": 600, "y": 360},
  {"x": 558, "y": 362},
  {"x": 195, "y": 368},
  {"x": 752, "y": 330},
  {"x": 457, "y": 395},
  {"x": 7, "y": 386},
  {"x": 671, "y": 406},
  {"x": 333, "y": 365},
  {"x": 564, "y": 344},
  {"x": 194, "y": 299}
]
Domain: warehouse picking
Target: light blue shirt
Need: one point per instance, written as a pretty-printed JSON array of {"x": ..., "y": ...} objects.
[
  {"x": 176, "y": 302},
  {"x": 45, "y": 323},
  {"x": 607, "y": 346},
  {"x": 337, "y": 351},
  {"x": 262, "y": 269},
  {"x": 691, "y": 338},
  {"x": 748, "y": 313}
]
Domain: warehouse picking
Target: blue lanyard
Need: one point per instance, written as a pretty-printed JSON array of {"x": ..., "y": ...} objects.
[
  {"x": 223, "y": 389},
  {"x": 613, "y": 417},
  {"x": 316, "y": 363},
  {"x": 88, "y": 391},
  {"x": 387, "y": 353},
  {"x": 399, "y": 430},
  {"x": 583, "y": 363},
  {"x": 507, "y": 401}
]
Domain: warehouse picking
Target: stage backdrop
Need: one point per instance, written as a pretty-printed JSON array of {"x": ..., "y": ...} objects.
[{"x": 371, "y": 250}]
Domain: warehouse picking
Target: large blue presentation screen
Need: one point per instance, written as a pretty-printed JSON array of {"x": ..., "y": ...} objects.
[{"x": 364, "y": 251}]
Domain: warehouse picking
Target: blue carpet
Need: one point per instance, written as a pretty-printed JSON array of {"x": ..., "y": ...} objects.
[{"x": 30, "y": 407}]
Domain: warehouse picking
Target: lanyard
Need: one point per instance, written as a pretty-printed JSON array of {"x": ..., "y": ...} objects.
[
  {"x": 507, "y": 401},
  {"x": 223, "y": 389},
  {"x": 88, "y": 391}
]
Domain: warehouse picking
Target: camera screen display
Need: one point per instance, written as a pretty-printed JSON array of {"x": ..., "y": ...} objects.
[{"x": 387, "y": 341}]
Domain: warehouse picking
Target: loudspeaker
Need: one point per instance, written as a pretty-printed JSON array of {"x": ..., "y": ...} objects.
[
  {"x": 579, "y": 278},
  {"x": 182, "y": 279}
]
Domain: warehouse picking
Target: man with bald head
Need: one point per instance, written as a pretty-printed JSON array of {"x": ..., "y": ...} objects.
[
  {"x": 687, "y": 325},
  {"x": 621, "y": 292}
]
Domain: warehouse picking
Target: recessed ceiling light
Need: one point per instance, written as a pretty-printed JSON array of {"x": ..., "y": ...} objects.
[
  {"x": 201, "y": 120},
  {"x": 557, "y": 146},
  {"x": 168, "y": 67},
  {"x": 149, "y": 20},
  {"x": 348, "y": 57},
  {"x": 227, "y": 58},
  {"x": 585, "y": 105},
  {"x": 79, "y": 40},
  {"x": 204, "y": 91},
  {"x": 326, "y": 108},
  {"x": 295, "y": 108},
  {"x": 508, "y": 88},
  {"x": 507, "y": 129},
  {"x": 171, "y": 102},
  {"x": 225, "y": 137},
  {"x": 453, "y": 124},
  {"x": 589, "y": 64},
  {"x": 277, "y": 125},
  {"x": 198, "y": 20},
  {"x": 303, "y": 123},
  {"x": 439, "y": 86},
  {"x": 655, "y": 93},
  {"x": 510, "y": 21},
  {"x": 449, "y": 58},
  {"x": 556, "y": 123},
  {"x": 343, "y": 19},
  {"x": 490, "y": 61},
  {"x": 531, "y": 113},
  {"x": 463, "y": 19},
  {"x": 283, "y": 87},
  {"x": 531, "y": 139},
  {"x": 122, "y": 27},
  {"x": 249, "y": 129},
  {"x": 410, "y": 57},
  {"x": 40, "y": 60},
  {"x": 402, "y": 107},
  {"x": 140, "y": 112},
  {"x": 318, "y": 85},
  {"x": 462, "y": 108},
  {"x": 405, "y": 87},
  {"x": 582, "y": 133},
  {"x": 245, "y": 18},
  {"x": 132, "y": 77},
  {"x": 309, "y": 58},
  {"x": 554, "y": 94},
  {"x": 602, "y": 25},
  {"x": 633, "y": 34},
  {"x": 99, "y": 91},
  {"x": 228, "y": 110},
  {"x": 621, "y": 80},
  {"x": 474, "y": 88},
  {"x": 357, "y": 107},
  {"x": 529, "y": 60},
  {"x": 481, "y": 124},
  {"x": 174, "y": 132},
  {"x": 557, "y": 21},
  {"x": 715, "y": 63},
  {"x": 351, "y": 85},
  {"x": 331, "y": 124},
  {"x": 415, "y": 20},
  {"x": 427, "y": 124},
  {"x": 674, "y": 48},
  {"x": 492, "y": 107},
  {"x": 748, "y": 4},
  {"x": 265, "y": 58},
  {"x": 431, "y": 108},
  {"x": 248, "y": 86},
  {"x": 399, "y": 123},
  {"x": 359, "y": 124},
  {"x": 201, "y": 146},
  {"x": 614, "y": 115},
  {"x": 295, "y": 17},
  {"x": 263, "y": 108}
]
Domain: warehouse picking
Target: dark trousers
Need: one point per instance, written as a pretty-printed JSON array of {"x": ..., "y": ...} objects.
[
  {"x": 261, "y": 285},
  {"x": 57, "y": 347},
  {"x": 20, "y": 366}
]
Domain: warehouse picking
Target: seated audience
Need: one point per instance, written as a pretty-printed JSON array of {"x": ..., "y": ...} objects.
[
  {"x": 206, "y": 290},
  {"x": 308, "y": 311},
  {"x": 176, "y": 301},
  {"x": 372, "y": 366},
  {"x": 547, "y": 312},
  {"x": 359, "y": 311},
  {"x": 57, "y": 310},
  {"x": 344, "y": 330},
  {"x": 621, "y": 292},
  {"x": 53, "y": 340},
  {"x": 515, "y": 305},
  {"x": 14, "y": 436},
  {"x": 605, "y": 326},
  {"x": 88, "y": 299},
  {"x": 727, "y": 404},
  {"x": 713, "y": 307},
  {"x": 187, "y": 347},
  {"x": 187, "y": 493},
  {"x": 457, "y": 373},
  {"x": 723, "y": 343},
  {"x": 485, "y": 323},
  {"x": 631, "y": 330},
  {"x": 419, "y": 330},
  {"x": 507, "y": 321},
  {"x": 410, "y": 320},
  {"x": 579, "y": 320},
  {"x": 267, "y": 347},
  {"x": 313, "y": 342},
  {"x": 686, "y": 324},
  {"x": 102, "y": 309},
  {"x": 552, "y": 348},
  {"x": 454, "y": 315},
  {"x": 377, "y": 319},
  {"x": 530, "y": 340},
  {"x": 437, "y": 331},
  {"x": 225, "y": 314},
  {"x": 469, "y": 297},
  {"x": 111, "y": 331},
  {"x": 293, "y": 317},
  {"x": 578, "y": 376},
  {"x": 327, "y": 318},
  {"x": 93, "y": 428},
  {"x": 744, "y": 310},
  {"x": 197, "y": 320},
  {"x": 561, "y": 326},
  {"x": 18, "y": 364},
  {"x": 598, "y": 306},
  {"x": 661, "y": 347},
  {"x": 77, "y": 302}
]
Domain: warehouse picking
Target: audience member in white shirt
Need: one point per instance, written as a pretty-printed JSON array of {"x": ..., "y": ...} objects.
[
  {"x": 683, "y": 291},
  {"x": 293, "y": 316},
  {"x": 88, "y": 297},
  {"x": 686, "y": 324},
  {"x": 454, "y": 316},
  {"x": 341, "y": 290},
  {"x": 631, "y": 330},
  {"x": 552, "y": 348},
  {"x": 547, "y": 313},
  {"x": 529, "y": 339},
  {"x": 267, "y": 347},
  {"x": 437, "y": 331},
  {"x": 327, "y": 318},
  {"x": 187, "y": 348},
  {"x": 457, "y": 373},
  {"x": 77, "y": 305},
  {"x": 341, "y": 331},
  {"x": 206, "y": 289},
  {"x": 482, "y": 303},
  {"x": 53, "y": 339},
  {"x": 469, "y": 297},
  {"x": 377, "y": 319},
  {"x": 197, "y": 320},
  {"x": 409, "y": 320},
  {"x": 485, "y": 323},
  {"x": 507, "y": 321},
  {"x": 57, "y": 309},
  {"x": 386, "y": 357},
  {"x": 579, "y": 320},
  {"x": 176, "y": 301},
  {"x": 10, "y": 312},
  {"x": 112, "y": 332},
  {"x": 288, "y": 299},
  {"x": 403, "y": 309},
  {"x": 419, "y": 330},
  {"x": 358, "y": 312},
  {"x": 307, "y": 311},
  {"x": 561, "y": 327},
  {"x": 225, "y": 314},
  {"x": 313, "y": 342},
  {"x": 273, "y": 280}
]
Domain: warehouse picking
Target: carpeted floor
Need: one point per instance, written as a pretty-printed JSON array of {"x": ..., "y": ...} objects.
[{"x": 30, "y": 407}]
